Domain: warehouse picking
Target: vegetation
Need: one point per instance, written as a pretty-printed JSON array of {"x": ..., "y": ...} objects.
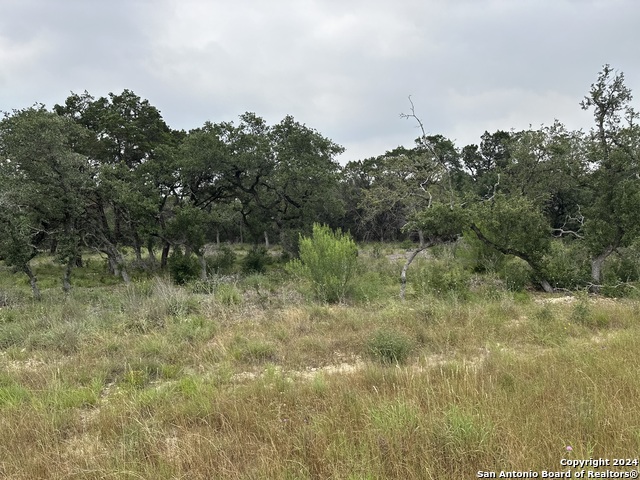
[
  {"x": 225, "y": 313},
  {"x": 108, "y": 175},
  {"x": 245, "y": 379},
  {"x": 328, "y": 261}
]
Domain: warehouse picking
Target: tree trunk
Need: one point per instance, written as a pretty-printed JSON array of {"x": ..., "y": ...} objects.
[
  {"x": 125, "y": 276},
  {"x": 546, "y": 286},
  {"x": 117, "y": 264},
  {"x": 403, "y": 274},
  {"x": 218, "y": 238},
  {"x": 203, "y": 267},
  {"x": 535, "y": 267},
  {"x": 165, "y": 255},
  {"x": 66, "y": 277},
  {"x": 137, "y": 247},
  {"x": 596, "y": 268},
  {"x": 123, "y": 268},
  {"x": 266, "y": 240},
  {"x": 33, "y": 281},
  {"x": 152, "y": 253},
  {"x": 113, "y": 266}
]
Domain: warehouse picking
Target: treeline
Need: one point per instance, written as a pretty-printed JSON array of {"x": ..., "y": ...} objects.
[{"x": 108, "y": 173}]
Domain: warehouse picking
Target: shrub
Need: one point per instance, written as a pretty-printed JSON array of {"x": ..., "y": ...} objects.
[
  {"x": 328, "y": 260},
  {"x": 389, "y": 347},
  {"x": 442, "y": 276},
  {"x": 256, "y": 260},
  {"x": 183, "y": 268},
  {"x": 567, "y": 265},
  {"x": 478, "y": 257},
  {"x": 254, "y": 351},
  {"x": 227, "y": 294},
  {"x": 223, "y": 261},
  {"x": 620, "y": 271},
  {"x": 515, "y": 273}
]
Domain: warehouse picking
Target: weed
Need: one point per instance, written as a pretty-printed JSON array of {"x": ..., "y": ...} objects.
[
  {"x": 389, "y": 347},
  {"x": 462, "y": 436},
  {"x": 228, "y": 295},
  {"x": 548, "y": 328},
  {"x": 12, "y": 394},
  {"x": 256, "y": 260},
  {"x": 581, "y": 312},
  {"x": 253, "y": 351},
  {"x": 395, "y": 417}
]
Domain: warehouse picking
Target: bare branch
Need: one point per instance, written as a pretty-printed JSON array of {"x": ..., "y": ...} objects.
[
  {"x": 559, "y": 232},
  {"x": 495, "y": 189},
  {"x": 420, "y": 124},
  {"x": 579, "y": 219},
  {"x": 591, "y": 285}
]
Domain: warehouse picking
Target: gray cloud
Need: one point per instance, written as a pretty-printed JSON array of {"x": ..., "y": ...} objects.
[{"x": 343, "y": 67}]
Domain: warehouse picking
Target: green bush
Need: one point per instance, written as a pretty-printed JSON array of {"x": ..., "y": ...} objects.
[
  {"x": 389, "y": 347},
  {"x": 620, "y": 271},
  {"x": 227, "y": 294},
  {"x": 478, "y": 257},
  {"x": 183, "y": 268},
  {"x": 328, "y": 261},
  {"x": 567, "y": 265},
  {"x": 515, "y": 273},
  {"x": 256, "y": 260},
  {"x": 441, "y": 277},
  {"x": 222, "y": 261}
]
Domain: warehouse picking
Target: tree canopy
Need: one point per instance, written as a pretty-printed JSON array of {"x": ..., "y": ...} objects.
[{"x": 109, "y": 175}]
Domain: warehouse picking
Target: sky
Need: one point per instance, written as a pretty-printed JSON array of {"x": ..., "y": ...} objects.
[{"x": 343, "y": 67}]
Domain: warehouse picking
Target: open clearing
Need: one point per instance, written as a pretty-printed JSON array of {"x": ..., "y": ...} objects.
[{"x": 254, "y": 380}]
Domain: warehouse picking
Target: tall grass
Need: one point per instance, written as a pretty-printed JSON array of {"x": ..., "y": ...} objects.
[{"x": 251, "y": 381}]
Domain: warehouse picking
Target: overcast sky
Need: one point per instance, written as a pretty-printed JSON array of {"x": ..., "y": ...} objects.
[{"x": 343, "y": 67}]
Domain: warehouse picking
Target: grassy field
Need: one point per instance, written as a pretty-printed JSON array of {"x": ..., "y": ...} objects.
[{"x": 246, "y": 377}]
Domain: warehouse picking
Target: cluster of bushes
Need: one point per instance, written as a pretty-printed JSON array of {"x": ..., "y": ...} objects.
[
  {"x": 185, "y": 268},
  {"x": 328, "y": 268},
  {"x": 455, "y": 269}
]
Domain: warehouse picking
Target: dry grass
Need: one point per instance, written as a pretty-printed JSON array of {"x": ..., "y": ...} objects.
[{"x": 153, "y": 381}]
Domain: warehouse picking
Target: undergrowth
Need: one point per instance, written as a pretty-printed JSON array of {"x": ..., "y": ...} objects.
[{"x": 242, "y": 377}]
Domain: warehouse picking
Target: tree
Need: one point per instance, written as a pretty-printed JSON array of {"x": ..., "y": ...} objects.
[
  {"x": 47, "y": 183},
  {"x": 441, "y": 222},
  {"x": 526, "y": 186},
  {"x": 424, "y": 181},
  {"x": 611, "y": 217},
  {"x": 21, "y": 234},
  {"x": 278, "y": 178},
  {"x": 403, "y": 180},
  {"x": 513, "y": 225},
  {"x": 304, "y": 186},
  {"x": 485, "y": 163},
  {"x": 127, "y": 132}
]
